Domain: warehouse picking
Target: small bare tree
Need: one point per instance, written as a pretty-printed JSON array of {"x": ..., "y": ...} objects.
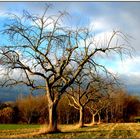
[
  {"x": 80, "y": 94},
  {"x": 96, "y": 108},
  {"x": 46, "y": 55}
]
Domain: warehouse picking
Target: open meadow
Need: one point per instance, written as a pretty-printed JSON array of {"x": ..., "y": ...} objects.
[{"x": 111, "y": 130}]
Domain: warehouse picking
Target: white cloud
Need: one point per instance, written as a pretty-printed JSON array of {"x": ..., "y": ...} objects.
[
  {"x": 3, "y": 14},
  {"x": 128, "y": 67},
  {"x": 99, "y": 24},
  {"x": 102, "y": 38}
]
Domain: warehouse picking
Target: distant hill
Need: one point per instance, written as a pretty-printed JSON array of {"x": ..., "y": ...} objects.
[{"x": 11, "y": 94}]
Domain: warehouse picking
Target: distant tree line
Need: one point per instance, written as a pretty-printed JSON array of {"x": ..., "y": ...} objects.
[{"x": 120, "y": 107}]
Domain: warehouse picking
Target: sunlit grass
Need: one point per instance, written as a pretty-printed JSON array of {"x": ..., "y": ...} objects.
[{"x": 112, "y": 130}]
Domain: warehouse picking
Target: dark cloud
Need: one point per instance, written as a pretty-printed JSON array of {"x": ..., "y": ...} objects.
[
  {"x": 131, "y": 83},
  {"x": 12, "y": 93}
]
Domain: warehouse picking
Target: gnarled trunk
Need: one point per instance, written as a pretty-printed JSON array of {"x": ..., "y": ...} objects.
[
  {"x": 52, "y": 126},
  {"x": 52, "y": 110},
  {"x": 53, "y": 117},
  {"x": 81, "y": 119}
]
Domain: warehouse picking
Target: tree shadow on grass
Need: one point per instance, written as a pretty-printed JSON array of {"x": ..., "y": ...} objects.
[
  {"x": 89, "y": 132},
  {"x": 75, "y": 134}
]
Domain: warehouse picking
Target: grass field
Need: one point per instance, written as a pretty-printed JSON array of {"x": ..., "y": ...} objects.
[{"x": 111, "y": 130}]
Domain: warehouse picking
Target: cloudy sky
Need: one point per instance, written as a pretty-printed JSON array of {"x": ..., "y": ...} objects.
[{"x": 103, "y": 17}]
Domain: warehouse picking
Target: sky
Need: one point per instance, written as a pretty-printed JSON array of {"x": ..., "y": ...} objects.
[{"x": 102, "y": 17}]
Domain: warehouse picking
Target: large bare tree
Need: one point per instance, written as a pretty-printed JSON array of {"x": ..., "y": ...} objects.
[{"x": 45, "y": 54}]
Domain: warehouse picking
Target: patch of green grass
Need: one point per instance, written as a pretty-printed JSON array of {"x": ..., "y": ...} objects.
[{"x": 17, "y": 126}]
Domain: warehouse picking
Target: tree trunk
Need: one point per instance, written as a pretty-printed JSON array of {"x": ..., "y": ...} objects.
[
  {"x": 29, "y": 120},
  {"x": 67, "y": 118},
  {"x": 107, "y": 115},
  {"x": 93, "y": 119},
  {"x": 52, "y": 117},
  {"x": 52, "y": 110},
  {"x": 99, "y": 118},
  {"x": 81, "y": 119}
]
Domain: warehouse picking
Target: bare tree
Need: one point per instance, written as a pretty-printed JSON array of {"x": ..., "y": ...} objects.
[
  {"x": 90, "y": 90},
  {"x": 80, "y": 94},
  {"x": 96, "y": 108},
  {"x": 47, "y": 55}
]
